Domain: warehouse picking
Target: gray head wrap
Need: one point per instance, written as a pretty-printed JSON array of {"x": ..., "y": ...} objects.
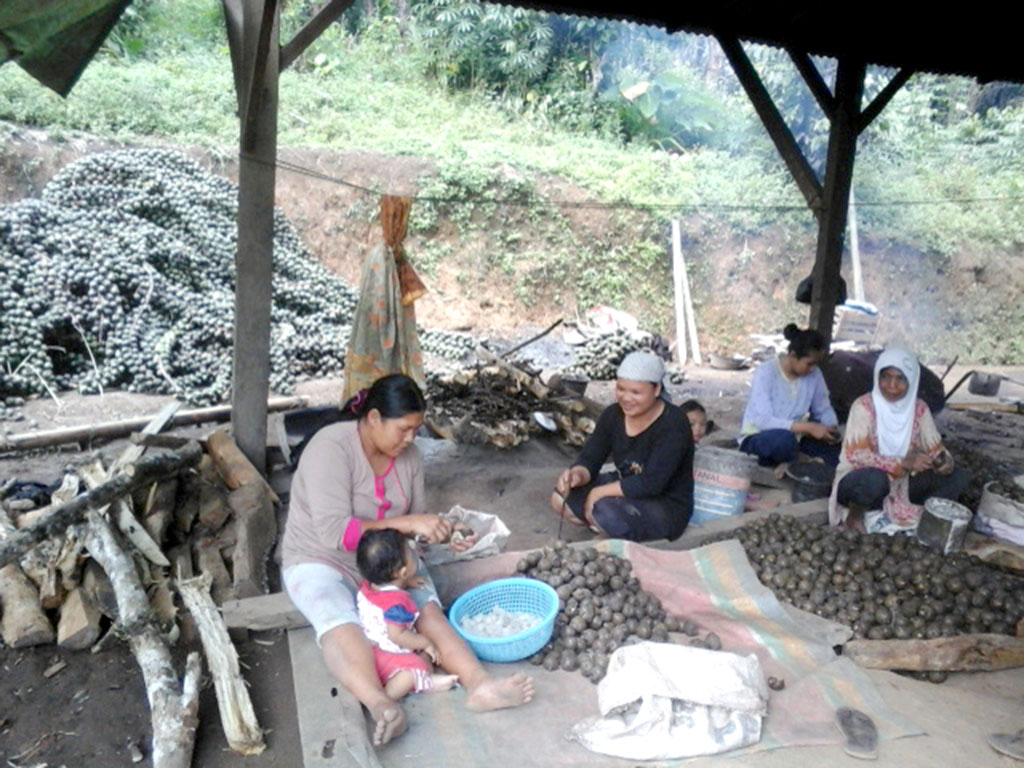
[{"x": 644, "y": 366}]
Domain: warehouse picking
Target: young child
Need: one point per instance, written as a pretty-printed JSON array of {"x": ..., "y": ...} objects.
[
  {"x": 388, "y": 615},
  {"x": 697, "y": 417}
]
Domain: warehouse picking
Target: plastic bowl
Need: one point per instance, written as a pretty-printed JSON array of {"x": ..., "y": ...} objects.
[{"x": 515, "y": 595}]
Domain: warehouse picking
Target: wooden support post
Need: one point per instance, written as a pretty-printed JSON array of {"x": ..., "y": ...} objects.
[
  {"x": 682, "y": 353},
  {"x": 842, "y": 148},
  {"x": 253, "y": 38}
]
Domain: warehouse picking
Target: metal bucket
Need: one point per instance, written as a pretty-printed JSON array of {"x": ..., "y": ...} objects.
[{"x": 943, "y": 525}]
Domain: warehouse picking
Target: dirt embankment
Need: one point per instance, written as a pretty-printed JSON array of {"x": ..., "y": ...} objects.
[{"x": 967, "y": 305}]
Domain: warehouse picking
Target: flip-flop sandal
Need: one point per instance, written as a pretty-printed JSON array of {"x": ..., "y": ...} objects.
[
  {"x": 1009, "y": 744},
  {"x": 860, "y": 732}
]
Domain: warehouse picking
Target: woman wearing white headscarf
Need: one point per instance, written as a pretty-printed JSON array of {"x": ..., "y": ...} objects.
[
  {"x": 650, "y": 494},
  {"x": 892, "y": 458}
]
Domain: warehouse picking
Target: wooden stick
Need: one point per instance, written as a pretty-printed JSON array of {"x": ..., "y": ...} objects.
[
  {"x": 241, "y": 728},
  {"x": 146, "y": 471},
  {"x": 532, "y": 339},
  {"x": 969, "y": 653},
  {"x": 114, "y": 429},
  {"x": 174, "y": 713},
  {"x": 677, "y": 290}
]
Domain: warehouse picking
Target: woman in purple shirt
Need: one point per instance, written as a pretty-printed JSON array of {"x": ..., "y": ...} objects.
[{"x": 789, "y": 410}]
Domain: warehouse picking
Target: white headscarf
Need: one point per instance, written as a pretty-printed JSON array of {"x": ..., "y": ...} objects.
[
  {"x": 894, "y": 422},
  {"x": 644, "y": 366}
]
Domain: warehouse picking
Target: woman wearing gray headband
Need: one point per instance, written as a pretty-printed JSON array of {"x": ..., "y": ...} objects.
[{"x": 650, "y": 494}]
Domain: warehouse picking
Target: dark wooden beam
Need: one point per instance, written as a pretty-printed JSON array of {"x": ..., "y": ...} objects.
[
  {"x": 777, "y": 129},
  {"x": 883, "y": 98},
  {"x": 312, "y": 30},
  {"x": 815, "y": 83},
  {"x": 842, "y": 149},
  {"x": 253, "y": 36}
]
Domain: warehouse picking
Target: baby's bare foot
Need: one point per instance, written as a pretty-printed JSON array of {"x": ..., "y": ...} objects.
[
  {"x": 440, "y": 683},
  {"x": 389, "y": 722},
  {"x": 500, "y": 692}
]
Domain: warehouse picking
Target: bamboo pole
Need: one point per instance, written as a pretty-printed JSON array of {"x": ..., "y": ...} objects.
[{"x": 113, "y": 429}]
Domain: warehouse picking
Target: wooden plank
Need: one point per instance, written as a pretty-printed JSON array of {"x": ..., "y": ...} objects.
[
  {"x": 677, "y": 293},
  {"x": 814, "y": 511},
  {"x": 233, "y": 465},
  {"x": 963, "y": 653},
  {"x": 273, "y": 611},
  {"x": 332, "y": 727}
]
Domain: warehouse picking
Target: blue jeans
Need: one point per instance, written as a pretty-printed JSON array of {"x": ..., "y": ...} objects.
[{"x": 778, "y": 446}]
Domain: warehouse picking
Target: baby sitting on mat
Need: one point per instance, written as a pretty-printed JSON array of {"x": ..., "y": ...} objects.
[{"x": 388, "y": 615}]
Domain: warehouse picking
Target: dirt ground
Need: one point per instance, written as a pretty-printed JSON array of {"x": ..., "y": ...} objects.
[{"x": 88, "y": 712}]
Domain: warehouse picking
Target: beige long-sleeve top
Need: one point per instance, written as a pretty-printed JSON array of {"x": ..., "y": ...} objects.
[
  {"x": 335, "y": 488},
  {"x": 860, "y": 451}
]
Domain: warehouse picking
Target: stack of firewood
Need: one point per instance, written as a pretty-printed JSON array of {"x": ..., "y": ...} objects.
[
  {"x": 115, "y": 545},
  {"x": 503, "y": 405}
]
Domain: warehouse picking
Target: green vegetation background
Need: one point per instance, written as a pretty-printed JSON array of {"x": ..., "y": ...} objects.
[{"x": 500, "y": 98}]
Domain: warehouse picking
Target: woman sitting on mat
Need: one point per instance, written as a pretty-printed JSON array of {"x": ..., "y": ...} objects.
[
  {"x": 361, "y": 474},
  {"x": 789, "y": 412},
  {"x": 892, "y": 456},
  {"x": 650, "y": 493}
]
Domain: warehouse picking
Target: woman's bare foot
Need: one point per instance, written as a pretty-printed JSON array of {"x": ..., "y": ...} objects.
[
  {"x": 500, "y": 692},
  {"x": 440, "y": 683},
  {"x": 389, "y": 721},
  {"x": 780, "y": 470}
]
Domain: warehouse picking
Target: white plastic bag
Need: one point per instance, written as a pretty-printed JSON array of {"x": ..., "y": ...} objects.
[
  {"x": 491, "y": 534},
  {"x": 691, "y": 702}
]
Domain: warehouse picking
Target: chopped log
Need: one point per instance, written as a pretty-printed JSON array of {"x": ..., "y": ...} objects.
[
  {"x": 213, "y": 499},
  {"x": 256, "y": 532},
  {"x": 98, "y": 589},
  {"x": 79, "y": 625},
  {"x": 40, "y": 565},
  {"x": 241, "y": 728},
  {"x": 161, "y": 601},
  {"x": 145, "y": 471},
  {"x": 273, "y": 611},
  {"x": 186, "y": 507},
  {"x": 209, "y": 561},
  {"x": 113, "y": 429},
  {"x": 233, "y": 466},
  {"x": 969, "y": 653},
  {"x": 174, "y": 713},
  {"x": 532, "y": 383},
  {"x": 95, "y": 476},
  {"x": 24, "y": 623},
  {"x": 174, "y": 442},
  {"x": 159, "y": 510}
]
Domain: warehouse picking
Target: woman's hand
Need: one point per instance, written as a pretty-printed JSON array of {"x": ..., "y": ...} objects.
[
  {"x": 816, "y": 430},
  {"x": 573, "y": 477},
  {"x": 916, "y": 461},
  {"x": 433, "y": 528},
  {"x": 942, "y": 464}
]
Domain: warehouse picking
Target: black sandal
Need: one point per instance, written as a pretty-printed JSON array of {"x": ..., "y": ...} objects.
[{"x": 860, "y": 732}]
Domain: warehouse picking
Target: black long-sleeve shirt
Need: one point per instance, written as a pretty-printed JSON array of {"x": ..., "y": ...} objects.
[{"x": 657, "y": 463}]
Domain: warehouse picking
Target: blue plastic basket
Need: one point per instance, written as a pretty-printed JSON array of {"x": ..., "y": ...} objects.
[{"x": 517, "y": 595}]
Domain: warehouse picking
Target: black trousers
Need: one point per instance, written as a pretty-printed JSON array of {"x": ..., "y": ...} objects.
[{"x": 867, "y": 488}]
